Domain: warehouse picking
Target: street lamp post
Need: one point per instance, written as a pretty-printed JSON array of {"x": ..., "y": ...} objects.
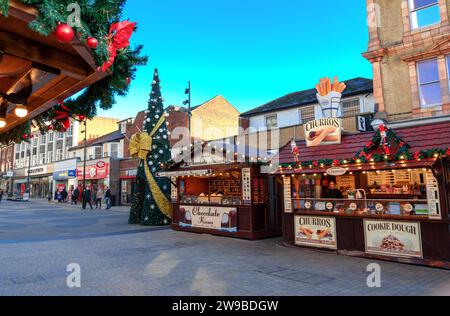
[
  {"x": 28, "y": 190},
  {"x": 85, "y": 152}
]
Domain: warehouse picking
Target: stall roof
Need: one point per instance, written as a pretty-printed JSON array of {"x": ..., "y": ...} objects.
[{"x": 418, "y": 137}]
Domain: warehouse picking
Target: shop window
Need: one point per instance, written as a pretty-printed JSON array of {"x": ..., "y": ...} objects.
[
  {"x": 429, "y": 83},
  {"x": 424, "y": 13},
  {"x": 307, "y": 115},
  {"x": 272, "y": 121},
  {"x": 351, "y": 107}
]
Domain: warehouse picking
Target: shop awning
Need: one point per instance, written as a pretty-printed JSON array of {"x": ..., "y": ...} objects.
[{"x": 425, "y": 137}]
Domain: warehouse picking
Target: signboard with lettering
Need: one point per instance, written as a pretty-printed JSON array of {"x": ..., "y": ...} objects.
[
  {"x": 315, "y": 231},
  {"x": 93, "y": 172},
  {"x": 392, "y": 238},
  {"x": 287, "y": 195},
  {"x": 209, "y": 217},
  {"x": 36, "y": 171},
  {"x": 326, "y": 131}
]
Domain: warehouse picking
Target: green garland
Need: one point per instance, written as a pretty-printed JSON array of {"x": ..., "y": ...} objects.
[
  {"x": 364, "y": 155},
  {"x": 96, "y": 18}
]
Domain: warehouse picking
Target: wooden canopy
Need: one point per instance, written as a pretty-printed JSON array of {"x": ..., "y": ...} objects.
[{"x": 36, "y": 69}]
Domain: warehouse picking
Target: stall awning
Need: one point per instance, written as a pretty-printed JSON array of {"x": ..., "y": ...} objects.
[
  {"x": 184, "y": 173},
  {"x": 418, "y": 137}
]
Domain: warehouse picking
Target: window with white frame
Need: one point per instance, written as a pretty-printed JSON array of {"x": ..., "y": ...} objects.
[
  {"x": 114, "y": 151},
  {"x": 424, "y": 13},
  {"x": 429, "y": 83},
  {"x": 351, "y": 107},
  {"x": 70, "y": 131},
  {"x": 307, "y": 115},
  {"x": 50, "y": 157},
  {"x": 272, "y": 121},
  {"x": 43, "y": 139},
  {"x": 60, "y": 135},
  {"x": 59, "y": 154},
  {"x": 42, "y": 158},
  {"x": 51, "y": 137}
]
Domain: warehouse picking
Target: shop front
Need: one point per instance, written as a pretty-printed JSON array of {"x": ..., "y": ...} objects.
[
  {"x": 223, "y": 199},
  {"x": 382, "y": 195},
  {"x": 64, "y": 176},
  {"x": 127, "y": 177},
  {"x": 40, "y": 178},
  {"x": 6, "y": 182},
  {"x": 100, "y": 173}
]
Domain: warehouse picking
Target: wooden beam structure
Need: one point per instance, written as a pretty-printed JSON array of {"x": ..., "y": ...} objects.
[{"x": 58, "y": 70}]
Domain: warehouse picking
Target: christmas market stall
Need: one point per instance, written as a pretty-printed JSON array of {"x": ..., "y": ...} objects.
[
  {"x": 51, "y": 50},
  {"x": 224, "y": 197},
  {"x": 381, "y": 195}
]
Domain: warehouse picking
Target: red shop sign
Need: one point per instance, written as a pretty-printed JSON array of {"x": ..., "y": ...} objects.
[{"x": 94, "y": 172}]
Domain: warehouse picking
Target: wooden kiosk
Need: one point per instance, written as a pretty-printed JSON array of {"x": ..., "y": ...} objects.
[
  {"x": 392, "y": 207},
  {"x": 224, "y": 199}
]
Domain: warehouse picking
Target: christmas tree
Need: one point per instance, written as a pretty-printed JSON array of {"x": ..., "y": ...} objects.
[{"x": 151, "y": 203}]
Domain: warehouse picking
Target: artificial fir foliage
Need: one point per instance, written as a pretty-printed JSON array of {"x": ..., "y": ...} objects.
[
  {"x": 97, "y": 16},
  {"x": 148, "y": 207}
]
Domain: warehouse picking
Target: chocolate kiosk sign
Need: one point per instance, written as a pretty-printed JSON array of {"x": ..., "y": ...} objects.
[
  {"x": 391, "y": 238},
  {"x": 326, "y": 131},
  {"x": 209, "y": 217}
]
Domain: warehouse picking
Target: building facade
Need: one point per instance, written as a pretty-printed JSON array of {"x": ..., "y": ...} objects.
[
  {"x": 6, "y": 167},
  {"x": 46, "y": 161},
  {"x": 288, "y": 114},
  {"x": 409, "y": 49}
]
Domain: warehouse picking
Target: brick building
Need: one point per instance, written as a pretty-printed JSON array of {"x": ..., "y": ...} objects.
[
  {"x": 6, "y": 167},
  {"x": 409, "y": 50}
]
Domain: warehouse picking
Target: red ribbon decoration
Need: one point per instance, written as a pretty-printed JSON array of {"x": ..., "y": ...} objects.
[
  {"x": 63, "y": 116},
  {"x": 119, "y": 38}
]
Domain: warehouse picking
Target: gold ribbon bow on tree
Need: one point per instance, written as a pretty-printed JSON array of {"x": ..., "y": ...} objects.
[{"x": 140, "y": 147}]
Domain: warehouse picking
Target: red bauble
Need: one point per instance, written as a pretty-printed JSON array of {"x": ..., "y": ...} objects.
[
  {"x": 64, "y": 33},
  {"x": 50, "y": 128},
  {"x": 128, "y": 80},
  {"x": 81, "y": 118},
  {"x": 25, "y": 136},
  {"x": 92, "y": 42},
  {"x": 31, "y": 136}
]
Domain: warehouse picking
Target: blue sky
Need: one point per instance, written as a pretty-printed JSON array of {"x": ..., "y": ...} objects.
[{"x": 249, "y": 51}]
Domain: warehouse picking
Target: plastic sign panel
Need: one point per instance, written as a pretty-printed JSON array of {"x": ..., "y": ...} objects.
[
  {"x": 327, "y": 131},
  {"x": 209, "y": 217},
  {"x": 315, "y": 231},
  {"x": 393, "y": 238}
]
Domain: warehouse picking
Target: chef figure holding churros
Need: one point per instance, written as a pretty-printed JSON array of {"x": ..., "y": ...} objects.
[{"x": 329, "y": 96}]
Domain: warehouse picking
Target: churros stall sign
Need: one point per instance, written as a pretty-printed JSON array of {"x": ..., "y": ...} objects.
[
  {"x": 321, "y": 132},
  {"x": 314, "y": 231},
  {"x": 396, "y": 239}
]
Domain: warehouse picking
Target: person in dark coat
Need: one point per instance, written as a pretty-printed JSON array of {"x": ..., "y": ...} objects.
[
  {"x": 333, "y": 192},
  {"x": 87, "y": 196},
  {"x": 108, "y": 198},
  {"x": 75, "y": 194}
]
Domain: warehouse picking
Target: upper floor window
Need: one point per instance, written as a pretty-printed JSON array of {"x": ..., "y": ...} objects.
[
  {"x": 307, "y": 115},
  {"x": 429, "y": 83},
  {"x": 448, "y": 70},
  {"x": 60, "y": 135},
  {"x": 50, "y": 137},
  {"x": 424, "y": 13},
  {"x": 114, "y": 151},
  {"x": 272, "y": 121},
  {"x": 351, "y": 107},
  {"x": 123, "y": 128},
  {"x": 43, "y": 139}
]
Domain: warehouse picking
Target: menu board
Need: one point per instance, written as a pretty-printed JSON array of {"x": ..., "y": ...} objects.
[
  {"x": 246, "y": 186},
  {"x": 434, "y": 205},
  {"x": 315, "y": 231},
  {"x": 174, "y": 189},
  {"x": 287, "y": 195},
  {"x": 393, "y": 238}
]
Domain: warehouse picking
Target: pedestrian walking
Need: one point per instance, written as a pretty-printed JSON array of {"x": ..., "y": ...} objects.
[
  {"x": 64, "y": 195},
  {"x": 108, "y": 198},
  {"x": 87, "y": 198},
  {"x": 99, "y": 198},
  {"x": 1, "y": 195},
  {"x": 75, "y": 194}
]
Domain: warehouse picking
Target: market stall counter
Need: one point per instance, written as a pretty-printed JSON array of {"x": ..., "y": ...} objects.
[
  {"x": 388, "y": 202},
  {"x": 224, "y": 199}
]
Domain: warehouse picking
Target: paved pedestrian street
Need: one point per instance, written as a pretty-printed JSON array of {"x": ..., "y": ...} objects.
[{"x": 38, "y": 241}]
